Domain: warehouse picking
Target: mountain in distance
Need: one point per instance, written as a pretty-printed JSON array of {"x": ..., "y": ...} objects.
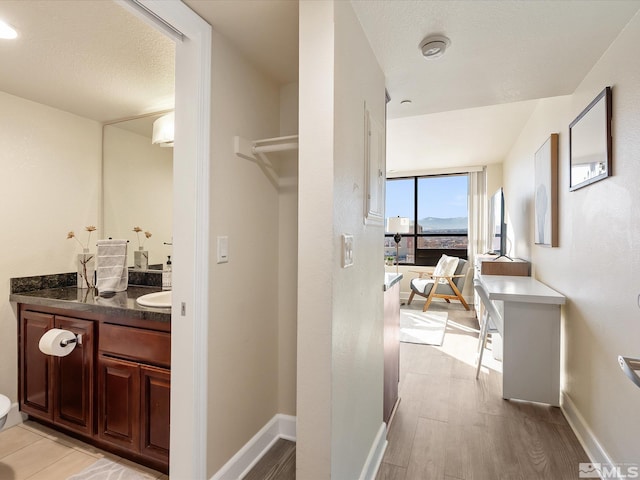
[{"x": 434, "y": 224}]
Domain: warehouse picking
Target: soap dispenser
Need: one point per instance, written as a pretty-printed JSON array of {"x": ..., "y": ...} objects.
[{"x": 166, "y": 275}]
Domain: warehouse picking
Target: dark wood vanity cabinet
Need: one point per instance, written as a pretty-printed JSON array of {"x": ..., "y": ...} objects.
[
  {"x": 134, "y": 390},
  {"x": 155, "y": 395},
  {"x": 113, "y": 389},
  {"x": 57, "y": 389},
  {"x": 119, "y": 402},
  {"x": 133, "y": 406},
  {"x": 36, "y": 394},
  {"x": 73, "y": 378}
]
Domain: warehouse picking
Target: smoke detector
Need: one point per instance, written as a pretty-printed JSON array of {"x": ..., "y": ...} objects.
[{"x": 434, "y": 46}]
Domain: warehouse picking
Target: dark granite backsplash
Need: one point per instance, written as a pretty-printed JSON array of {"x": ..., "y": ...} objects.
[
  {"x": 145, "y": 278},
  {"x": 44, "y": 282},
  {"x": 61, "y": 280}
]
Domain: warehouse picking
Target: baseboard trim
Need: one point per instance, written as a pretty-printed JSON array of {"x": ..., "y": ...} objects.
[
  {"x": 374, "y": 459},
  {"x": 592, "y": 447},
  {"x": 280, "y": 426}
]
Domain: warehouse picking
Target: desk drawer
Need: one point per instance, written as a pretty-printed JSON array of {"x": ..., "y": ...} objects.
[{"x": 145, "y": 346}]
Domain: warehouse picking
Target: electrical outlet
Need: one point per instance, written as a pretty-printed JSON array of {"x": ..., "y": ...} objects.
[{"x": 347, "y": 250}]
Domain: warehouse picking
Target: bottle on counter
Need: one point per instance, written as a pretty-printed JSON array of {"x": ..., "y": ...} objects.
[{"x": 166, "y": 275}]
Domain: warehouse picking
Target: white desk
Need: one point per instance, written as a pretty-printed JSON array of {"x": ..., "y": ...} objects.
[{"x": 531, "y": 337}]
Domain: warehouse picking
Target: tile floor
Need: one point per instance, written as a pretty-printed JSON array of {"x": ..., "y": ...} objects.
[{"x": 31, "y": 451}]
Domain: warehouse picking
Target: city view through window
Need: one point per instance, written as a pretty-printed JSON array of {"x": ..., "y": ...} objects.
[{"x": 437, "y": 208}]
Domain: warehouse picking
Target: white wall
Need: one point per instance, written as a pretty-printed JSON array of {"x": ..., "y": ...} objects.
[
  {"x": 243, "y": 327},
  {"x": 138, "y": 191},
  {"x": 597, "y": 263},
  {"x": 315, "y": 240},
  {"x": 50, "y": 167},
  {"x": 288, "y": 255},
  {"x": 340, "y": 324}
]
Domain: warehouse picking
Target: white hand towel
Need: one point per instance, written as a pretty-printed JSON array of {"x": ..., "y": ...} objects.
[{"x": 111, "y": 266}]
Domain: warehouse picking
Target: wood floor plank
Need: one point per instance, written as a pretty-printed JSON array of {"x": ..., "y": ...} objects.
[
  {"x": 532, "y": 455},
  {"x": 561, "y": 450},
  {"x": 391, "y": 472},
  {"x": 277, "y": 464},
  {"x": 468, "y": 453},
  {"x": 435, "y": 402},
  {"x": 403, "y": 427},
  {"x": 463, "y": 403},
  {"x": 427, "y": 460},
  {"x": 501, "y": 446}
]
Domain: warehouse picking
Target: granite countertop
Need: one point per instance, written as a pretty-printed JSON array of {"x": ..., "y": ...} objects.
[{"x": 57, "y": 293}]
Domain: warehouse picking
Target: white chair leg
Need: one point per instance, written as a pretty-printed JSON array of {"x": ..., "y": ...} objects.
[
  {"x": 483, "y": 324},
  {"x": 483, "y": 343}
]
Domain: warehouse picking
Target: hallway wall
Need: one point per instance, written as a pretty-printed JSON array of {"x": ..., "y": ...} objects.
[
  {"x": 597, "y": 265},
  {"x": 340, "y": 355}
]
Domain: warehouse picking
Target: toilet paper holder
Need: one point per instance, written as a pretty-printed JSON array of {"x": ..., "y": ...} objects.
[{"x": 77, "y": 339}]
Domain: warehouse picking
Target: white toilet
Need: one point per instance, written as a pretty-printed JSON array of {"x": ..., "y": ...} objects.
[{"x": 5, "y": 406}]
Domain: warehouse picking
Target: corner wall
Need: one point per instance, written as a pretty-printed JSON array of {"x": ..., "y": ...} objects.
[
  {"x": 340, "y": 311},
  {"x": 50, "y": 167},
  {"x": 243, "y": 326},
  {"x": 597, "y": 263},
  {"x": 288, "y": 255}
]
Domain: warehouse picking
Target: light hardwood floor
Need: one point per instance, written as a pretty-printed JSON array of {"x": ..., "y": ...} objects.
[
  {"x": 278, "y": 464},
  {"x": 34, "y": 452},
  {"x": 451, "y": 426}
]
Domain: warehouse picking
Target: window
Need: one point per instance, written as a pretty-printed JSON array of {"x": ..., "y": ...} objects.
[{"x": 437, "y": 207}]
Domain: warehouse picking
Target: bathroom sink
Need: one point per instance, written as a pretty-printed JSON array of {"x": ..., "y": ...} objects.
[{"x": 157, "y": 299}]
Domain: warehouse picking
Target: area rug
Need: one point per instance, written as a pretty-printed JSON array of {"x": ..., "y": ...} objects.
[
  {"x": 105, "y": 469},
  {"x": 427, "y": 328}
]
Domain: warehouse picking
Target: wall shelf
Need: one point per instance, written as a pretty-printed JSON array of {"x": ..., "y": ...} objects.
[{"x": 259, "y": 151}]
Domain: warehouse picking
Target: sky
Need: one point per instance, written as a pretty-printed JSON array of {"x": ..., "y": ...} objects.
[{"x": 441, "y": 197}]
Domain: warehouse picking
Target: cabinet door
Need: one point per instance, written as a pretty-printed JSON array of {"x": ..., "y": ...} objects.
[
  {"x": 36, "y": 377},
  {"x": 119, "y": 402},
  {"x": 391, "y": 342},
  {"x": 73, "y": 379},
  {"x": 154, "y": 410}
]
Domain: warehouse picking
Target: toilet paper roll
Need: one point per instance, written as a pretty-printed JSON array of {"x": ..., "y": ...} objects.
[{"x": 50, "y": 342}]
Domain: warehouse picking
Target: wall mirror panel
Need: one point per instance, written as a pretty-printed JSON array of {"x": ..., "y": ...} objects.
[
  {"x": 137, "y": 188},
  {"x": 590, "y": 143}
]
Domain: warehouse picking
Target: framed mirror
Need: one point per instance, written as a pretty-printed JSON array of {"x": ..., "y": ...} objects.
[
  {"x": 137, "y": 188},
  {"x": 590, "y": 143}
]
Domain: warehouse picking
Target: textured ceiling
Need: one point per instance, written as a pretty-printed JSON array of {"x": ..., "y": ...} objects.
[
  {"x": 500, "y": 52},
  {"x": 91, "y": 58},
  {"x": 264, "y": 31},
  {"x": 95, "y": 59},
  {"x": 469, "y": 106},
  {"x": 460, "y": 138}
]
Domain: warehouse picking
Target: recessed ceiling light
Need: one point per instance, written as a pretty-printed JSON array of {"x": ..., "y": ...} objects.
[
  {"x": 7, "y": 31},
  {"x": 434, "y": 46},
  {"x": 405, "y": 102}
]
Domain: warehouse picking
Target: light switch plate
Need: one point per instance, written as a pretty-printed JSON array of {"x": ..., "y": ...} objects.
[
  {"x": 347, "y": 250},
  {"x": 223, "y": 250}
]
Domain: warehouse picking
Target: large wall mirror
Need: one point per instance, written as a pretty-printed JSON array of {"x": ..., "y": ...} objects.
[
  {"x": 137, "y": 188},
  {"x": 590, "y": 143}
]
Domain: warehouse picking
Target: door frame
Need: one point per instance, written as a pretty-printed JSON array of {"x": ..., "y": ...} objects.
[{"x": 190, "y": 309}]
